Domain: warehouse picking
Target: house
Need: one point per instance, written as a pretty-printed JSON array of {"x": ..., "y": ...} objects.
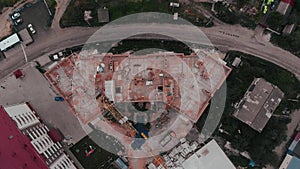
[
  {"x": 258, "y": 104},
  {"x": 103, "y": 15},
  {"x": 294, "y": 148},
  {"x": 285, "y": 7},
  {"x": 288, "y": 29}
]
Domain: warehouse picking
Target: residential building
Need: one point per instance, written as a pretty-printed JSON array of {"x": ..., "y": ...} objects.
[
  {"x": 288, "y": 29},
  {"x": 258, "y": 104},
  {"x": 285, "y": 7},
  {"x": 27, "y": 139},
  {"x": 290, "y": 162},
  {"x": 294, "y": 148}
]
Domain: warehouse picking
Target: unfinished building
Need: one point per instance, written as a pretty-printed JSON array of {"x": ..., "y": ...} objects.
[
  {"x": 123, "y": 93},
  {"x": 164, "y": 77}
]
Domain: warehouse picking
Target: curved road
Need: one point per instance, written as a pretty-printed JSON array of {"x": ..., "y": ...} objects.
[{"x": 225, "y": 37}]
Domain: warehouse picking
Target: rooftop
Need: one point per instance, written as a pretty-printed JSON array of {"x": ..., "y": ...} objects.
[
  {"x": 103, "y": 15},
  {"x": 294, "y": 148},
  {"x": 16, "y": 150},
  {"x": 285, "y": 6},
  {"x": 9, "y": 41},
  {"x": 25, "y": 36},
  {"x": 290, "y": 162},
  {"x": 187, "y": 155},
  {"x": 211, "y": 156},
  {"x": 258, "y": 104}
]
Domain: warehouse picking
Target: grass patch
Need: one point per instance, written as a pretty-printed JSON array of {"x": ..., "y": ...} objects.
[
  {"x": 51, "y": 5},
  {"x": 73, "y": 15},
  {"x": 137, "y": 45},
  {"x": 234, "y": 16},
  {"x": 238, "y": 160}
]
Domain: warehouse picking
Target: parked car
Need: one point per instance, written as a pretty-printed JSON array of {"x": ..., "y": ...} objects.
[
  {"x": 30, "y": 27},
  {"x": 18, "y": 21},
  {"x": 59, "y": 98},
  {"x": 15, "y": 15}
]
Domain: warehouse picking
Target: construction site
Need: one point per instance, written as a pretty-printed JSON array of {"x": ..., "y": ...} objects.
[{"x": 147, "y": 102}]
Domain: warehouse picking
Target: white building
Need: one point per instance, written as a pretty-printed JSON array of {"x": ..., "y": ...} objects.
[
  {"x": 211, "y": 156},
  {"x": 9, "y": 42},
  {"x": 185, "y": 156}
]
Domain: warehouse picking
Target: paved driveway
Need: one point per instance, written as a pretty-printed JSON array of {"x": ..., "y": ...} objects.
[{"x": 35, "y": 89}]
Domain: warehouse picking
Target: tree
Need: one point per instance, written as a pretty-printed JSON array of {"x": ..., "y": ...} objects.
[{"x": 275, "y": 20}]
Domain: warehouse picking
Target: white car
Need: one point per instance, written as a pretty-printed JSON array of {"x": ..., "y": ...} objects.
[
  {"x": 18, "y": 21},
  {"x": 15, "y": 15},
  {"x": 30, "y": 27}
]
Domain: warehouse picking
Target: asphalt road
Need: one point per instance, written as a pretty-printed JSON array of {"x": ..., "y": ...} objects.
[{"x": 55, "y": 40}]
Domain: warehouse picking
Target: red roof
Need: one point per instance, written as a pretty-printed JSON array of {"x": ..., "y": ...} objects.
[
  {"x": 55, "y": 135},
  {"x": 16, "y": 151},
  {"x": 18, "y": 73},
  {"x": 297, "y": 137},
  {"x": 291, "y": 2}
]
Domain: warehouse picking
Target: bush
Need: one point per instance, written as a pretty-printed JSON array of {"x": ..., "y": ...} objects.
[{"x": 6, "y": 3}]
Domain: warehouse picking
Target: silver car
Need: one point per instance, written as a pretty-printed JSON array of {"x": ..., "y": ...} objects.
[
  {"x": 15, "y": 15},
  {"x": 30, "y": 27}
]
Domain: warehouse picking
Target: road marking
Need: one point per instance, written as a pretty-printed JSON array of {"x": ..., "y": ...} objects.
[{"x": 25, "y": 56}]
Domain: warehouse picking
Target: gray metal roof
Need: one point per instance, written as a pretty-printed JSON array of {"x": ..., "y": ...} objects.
[{"x": 258, "y": 104}]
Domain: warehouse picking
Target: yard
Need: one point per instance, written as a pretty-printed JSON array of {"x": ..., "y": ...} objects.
[
  {"x": 259, "y": 145},
  {"x": 290, "y": 42},
  {"x": 242, "y": 137},
  {"x": 232, "y": 14},
  {"x": 73, "y": 16}
]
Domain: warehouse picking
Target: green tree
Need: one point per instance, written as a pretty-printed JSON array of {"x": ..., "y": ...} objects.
[{"x": 275, "y": 20}]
